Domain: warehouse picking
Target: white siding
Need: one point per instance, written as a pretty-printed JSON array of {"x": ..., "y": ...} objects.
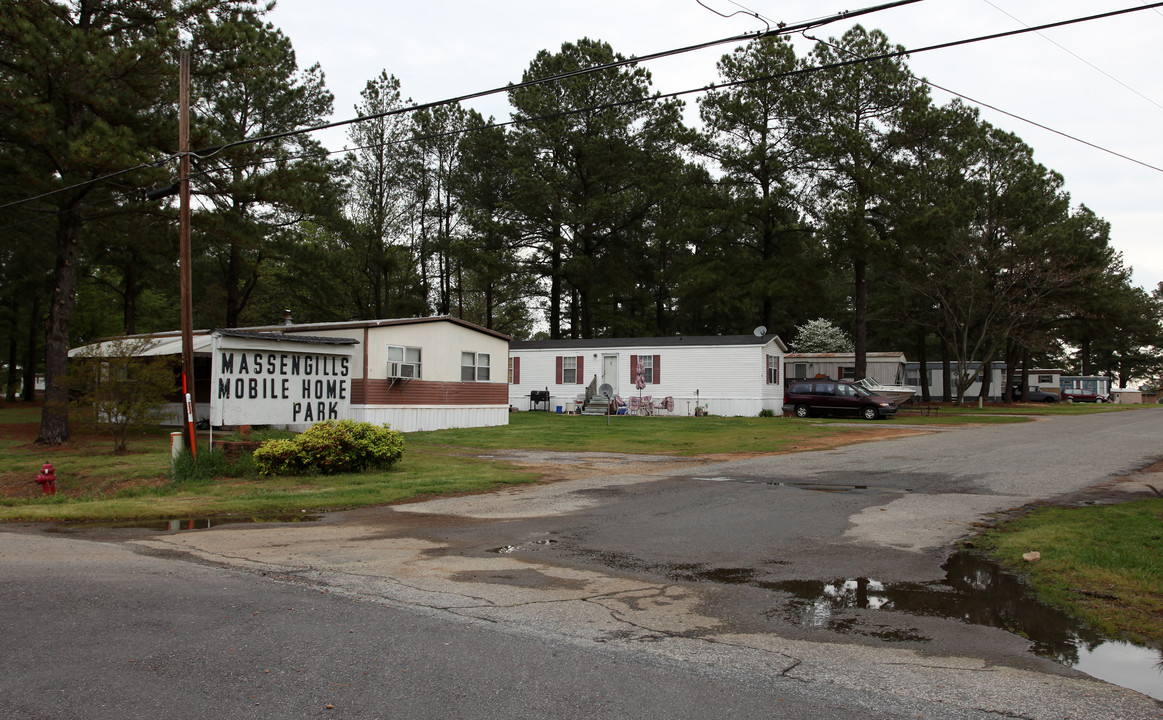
[
  {"x": 435, "y": 417},
  {"x": 725, "y": 379},
  {"x": 441, "y": 344}
]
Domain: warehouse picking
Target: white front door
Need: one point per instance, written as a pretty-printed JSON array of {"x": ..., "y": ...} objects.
[{"x": 610, "y": 371}]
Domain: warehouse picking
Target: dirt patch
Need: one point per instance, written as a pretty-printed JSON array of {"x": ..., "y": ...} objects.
[
  {"x": 22, "y": 483},
  {"x": 554, "y": 467}
]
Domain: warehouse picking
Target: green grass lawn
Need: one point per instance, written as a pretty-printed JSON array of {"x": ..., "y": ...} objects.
[
  {"x": 1102, "y": 563},
  {"x": 94, "y": 483},
  {"x": 681, "y": 435}
]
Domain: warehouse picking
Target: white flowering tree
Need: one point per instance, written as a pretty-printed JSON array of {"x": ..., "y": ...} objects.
[{"x": 821, "y": 336}]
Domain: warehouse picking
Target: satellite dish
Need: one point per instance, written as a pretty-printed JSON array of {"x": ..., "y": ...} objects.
[
  {"x": 606, "y": 391},
  {"x": 760, "y": 331}
]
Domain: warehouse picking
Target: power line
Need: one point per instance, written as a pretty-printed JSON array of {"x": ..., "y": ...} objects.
[
  {"x": 782, "y": 29},
  {"x": 93, "y": 181},
  {"x": 1076, "y": 56},
  {"x": 996, "y": 36}
]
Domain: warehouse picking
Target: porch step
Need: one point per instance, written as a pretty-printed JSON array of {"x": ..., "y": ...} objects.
[{"x": 595, "y": 408}]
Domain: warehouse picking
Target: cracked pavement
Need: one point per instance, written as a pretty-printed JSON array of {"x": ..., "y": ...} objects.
[
  {"x": 628, "y": 559},
  {"x": 689, "y": 565}
]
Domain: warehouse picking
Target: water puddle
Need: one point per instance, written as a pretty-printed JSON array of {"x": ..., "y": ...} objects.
[
  {"x": 531, "y": 545},
  {"x": 815, "y": 487},
  {"x": 976, "y": 591},
  {"x": 179, "y": 525}
]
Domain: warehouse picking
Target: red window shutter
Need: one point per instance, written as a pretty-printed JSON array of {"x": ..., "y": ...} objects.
[
  {"x": 516, "y": 371},
  {"x": 657, "y": 369},
  {"x": 580, "y": 369},
  {"x": 558, "y": 369},
  {"x": 633, "y": 368}
]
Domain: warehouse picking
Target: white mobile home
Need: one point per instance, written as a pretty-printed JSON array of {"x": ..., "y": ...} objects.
[
  {"x": 720, "y": 375},
  {"x": 414, "y": 374},
  {"x": 886, "y": 368},
  {"x": 1043, "y": 379}
]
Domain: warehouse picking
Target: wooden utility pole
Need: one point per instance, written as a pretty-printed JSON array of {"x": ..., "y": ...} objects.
[{"x": 186, "y": 277}]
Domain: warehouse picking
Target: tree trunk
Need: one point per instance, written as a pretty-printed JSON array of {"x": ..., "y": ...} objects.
[
  {"x": 860, "y": 300},
  {"x": 555, "y": 285},
  {"x": 1011, "y": 370},
  {"x": 233, "y": 301},
  {"x": 946, "y": 372},
  {"x": 54, "y": 420},
  {"x": 13, "y": 353},
  {"x": 923, "y": 368},
  {"x": 1026, "y": 376},
  {"x": 129, "y": 300},
  {"x": 987, "y": 375}
]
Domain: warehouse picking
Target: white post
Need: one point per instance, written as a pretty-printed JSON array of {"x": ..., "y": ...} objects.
[{"x": 176, "y": 446}]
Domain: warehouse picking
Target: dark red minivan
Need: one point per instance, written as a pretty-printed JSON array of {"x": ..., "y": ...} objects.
[{"x": 834, "y": 397}]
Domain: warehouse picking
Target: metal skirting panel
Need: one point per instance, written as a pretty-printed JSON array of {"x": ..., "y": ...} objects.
[
  {"x": 415, "y": 418},
  {"x": 740, "y": 407}
]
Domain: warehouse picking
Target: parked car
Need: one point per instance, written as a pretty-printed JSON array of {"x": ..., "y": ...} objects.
[
  {"x": 834, "y": 397},
  {"x": 1080, "y": 395},
  {"x": 1034, "y": 395}
]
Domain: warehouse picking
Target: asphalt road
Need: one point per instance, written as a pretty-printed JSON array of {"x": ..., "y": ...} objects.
[{"x": 657, "y": 587}]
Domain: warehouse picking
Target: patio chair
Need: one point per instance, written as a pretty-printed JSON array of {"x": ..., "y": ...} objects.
[
  {"x": 668, "y": 404},
  {"x": 648, "y": 404},
  {"x": 635, "y": 404}
]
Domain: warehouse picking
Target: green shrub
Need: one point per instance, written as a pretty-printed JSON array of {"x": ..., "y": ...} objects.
[
  {"x": 277, "y": 457},
  {"x": 330, "y": 448},
  {"x": 210, "y": 464},
  {"x": 766, "y": 412}
]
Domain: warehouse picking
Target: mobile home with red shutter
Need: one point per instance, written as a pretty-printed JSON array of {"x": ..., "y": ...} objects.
[{"x": 717, "y": 374}]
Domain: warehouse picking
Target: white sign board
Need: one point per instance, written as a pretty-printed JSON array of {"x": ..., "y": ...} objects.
[{"x": 278, "y": 382}]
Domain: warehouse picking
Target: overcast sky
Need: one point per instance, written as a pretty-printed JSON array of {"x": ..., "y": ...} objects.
[{"x": 1098, "y": 81}]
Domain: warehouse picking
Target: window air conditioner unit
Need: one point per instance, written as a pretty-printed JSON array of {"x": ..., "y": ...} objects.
[{"x": 401, "y": 370}]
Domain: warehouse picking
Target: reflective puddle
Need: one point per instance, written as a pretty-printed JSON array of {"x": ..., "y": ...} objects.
[
  {"x": 977, "y": 591},
  {"x": 974, "y": 591},
  {"x": 531, "y": 545},
  {"x": 178, "y": 525}
]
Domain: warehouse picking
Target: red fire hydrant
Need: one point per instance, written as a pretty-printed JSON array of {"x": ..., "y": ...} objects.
[{"x": 47, "y": 479}]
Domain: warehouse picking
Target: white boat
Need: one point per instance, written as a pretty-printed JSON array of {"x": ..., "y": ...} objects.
[{"x": 899, "y": 394}]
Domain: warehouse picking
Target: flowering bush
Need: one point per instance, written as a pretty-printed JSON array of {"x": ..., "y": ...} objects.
[{"x": 331, "y": 447}]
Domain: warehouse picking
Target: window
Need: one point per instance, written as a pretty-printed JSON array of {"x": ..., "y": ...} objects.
[
  {"x": 568, "y": 375},
  {"x": 514, "y": 371},
  {"x": 570, "y": 369},
  {"x": 772, "y": 369},
  {"x": 403, "y": 362},
  {"x": 801, "y": 370},
  {"x": 646, "y": 368},
  {"x": 847, "y": 373},
  {"x": 474, "y": 367},
  {"x": 1045, "y": 379}
]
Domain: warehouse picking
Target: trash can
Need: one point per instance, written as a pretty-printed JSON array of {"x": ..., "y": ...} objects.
[{"x": 558, "y": 409}]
